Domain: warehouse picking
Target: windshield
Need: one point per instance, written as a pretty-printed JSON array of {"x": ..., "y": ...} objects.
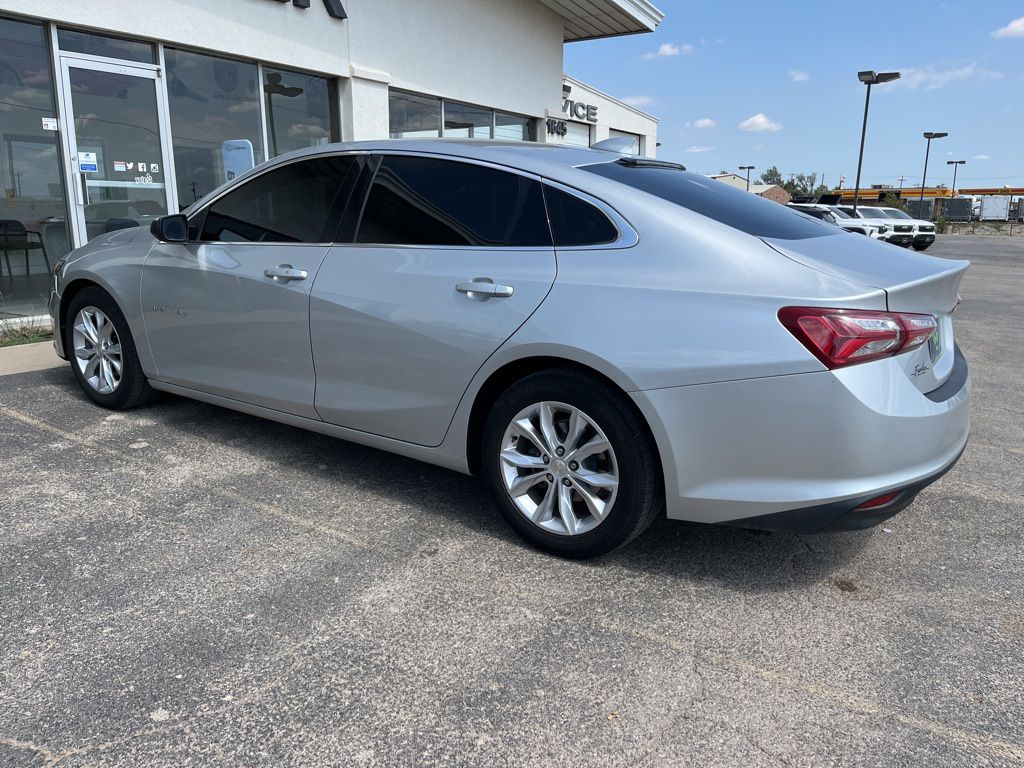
[
  {"x": 872, "y": 213},
  {"x": 839, "y": 212},
  {"x": 896, "y": 213},
  {"x": 716, "y": 200}
]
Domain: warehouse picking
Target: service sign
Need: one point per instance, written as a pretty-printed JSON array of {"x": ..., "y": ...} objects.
[{"x": 334, "y": 7}]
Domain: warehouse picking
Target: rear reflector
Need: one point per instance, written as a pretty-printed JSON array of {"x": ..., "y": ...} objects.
[
  {"x": 841, "y": 337},
  {"x": 879, "y": 501}
]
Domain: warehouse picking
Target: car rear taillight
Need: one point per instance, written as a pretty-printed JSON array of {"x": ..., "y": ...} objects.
[{"x": 841, "y": 337}]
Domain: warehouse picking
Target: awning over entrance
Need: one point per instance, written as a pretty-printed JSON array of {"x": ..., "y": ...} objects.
[{"x": 590, "y": 19}]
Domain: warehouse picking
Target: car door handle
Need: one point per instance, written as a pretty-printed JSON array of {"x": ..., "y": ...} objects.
[
  {"x": 285, "y": 273},
  {"x": 483, "y": 288}
]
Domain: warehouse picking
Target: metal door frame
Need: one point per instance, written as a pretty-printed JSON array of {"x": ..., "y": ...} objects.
[{"x": 69, "y": 141}]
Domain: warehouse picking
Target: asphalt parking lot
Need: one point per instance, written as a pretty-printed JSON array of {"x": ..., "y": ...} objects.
[{"x": 184, "y": 585}]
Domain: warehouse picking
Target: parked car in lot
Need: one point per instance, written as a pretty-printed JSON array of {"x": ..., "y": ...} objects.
[
  {"x": 833, "y": 215},
  {"x": 924, "y": 231},
  {"x": 903, "y": 232},
  {"x": 604, "y": 339}
]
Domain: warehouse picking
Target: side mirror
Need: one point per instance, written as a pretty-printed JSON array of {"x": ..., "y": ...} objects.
[{"x": 170, "y": 229}]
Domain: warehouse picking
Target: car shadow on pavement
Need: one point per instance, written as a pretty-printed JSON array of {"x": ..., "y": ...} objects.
[{"x": 736, "y": 559}]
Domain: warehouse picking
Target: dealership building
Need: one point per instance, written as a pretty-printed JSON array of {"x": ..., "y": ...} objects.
[{"x": 112, "y": 114}]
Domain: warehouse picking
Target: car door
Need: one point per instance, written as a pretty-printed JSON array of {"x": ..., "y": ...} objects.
[
  {"x": 448, "y": 259},
  {"x": 228, "y": 313}
]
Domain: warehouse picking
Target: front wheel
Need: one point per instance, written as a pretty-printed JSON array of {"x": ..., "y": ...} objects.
[
  {"x": 102, "y": 352},
  {"x": 570, "y": 464},
  {"x": 921, "y": 247}
]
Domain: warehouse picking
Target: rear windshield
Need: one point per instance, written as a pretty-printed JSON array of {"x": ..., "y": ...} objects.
[{"x": 734, "y": 207}]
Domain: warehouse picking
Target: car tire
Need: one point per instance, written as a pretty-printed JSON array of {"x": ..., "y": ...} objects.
[
  {"x": 607, "y": 417},
  {"x": 921, "y": 247},
  {"x": 130, "y": 387}
]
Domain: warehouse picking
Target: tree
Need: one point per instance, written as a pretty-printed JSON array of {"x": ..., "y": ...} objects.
[
  {"x": 772, "y": 176},
  {"x": 892, "y": 200}
]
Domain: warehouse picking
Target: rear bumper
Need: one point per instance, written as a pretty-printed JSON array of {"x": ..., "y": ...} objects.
[
  {"x": 740, "y": 450},
  {"x": 848, "y": 515}
]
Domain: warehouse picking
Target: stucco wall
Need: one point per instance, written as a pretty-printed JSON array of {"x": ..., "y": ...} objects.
[{"x": 501, "y": 53}]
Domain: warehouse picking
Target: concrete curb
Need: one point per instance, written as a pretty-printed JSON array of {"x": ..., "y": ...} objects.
[{"x": 28, "y": 357}]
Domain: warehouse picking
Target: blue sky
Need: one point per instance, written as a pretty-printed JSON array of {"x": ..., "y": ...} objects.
[{"x": 787, "y": 72}]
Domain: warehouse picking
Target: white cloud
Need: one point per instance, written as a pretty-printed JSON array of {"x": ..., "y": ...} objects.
[
  {"x": 1014, "y": 29},
  {"x": 931, "y": 78},
  {"x": 704, "y": 122},
  {"x": 670, "y": 49},
  {"x": 699, "y": 148},
  {"x": 982, "y": 157},
  {"x": 798, "y": 76},
  {"x": 639, "y": 101},
  {"x": 760, "y": 122}
]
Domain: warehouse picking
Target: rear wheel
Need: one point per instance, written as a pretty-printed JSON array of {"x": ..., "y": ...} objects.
[
  {"x": 102, "y": 351},
  {"x": 569, "y": 463}
]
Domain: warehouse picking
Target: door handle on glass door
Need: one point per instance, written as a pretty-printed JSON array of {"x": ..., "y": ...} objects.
[
  {"x": 285, "y": 273},
  {"x": 483, "y": 288}
]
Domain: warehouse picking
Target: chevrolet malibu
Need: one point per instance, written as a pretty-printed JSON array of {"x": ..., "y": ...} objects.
[{"x": 604, "y": 339}]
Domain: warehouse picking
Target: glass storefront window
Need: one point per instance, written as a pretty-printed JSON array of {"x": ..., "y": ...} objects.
[
  {"x": 414, "y": 116},
  {"x": 301, "y": 110},
  {"x": 78, "y": 41},
  {"x": 513, "y": 127},
  {"x": 461, "y": 121},
  {"x": 33, "y": 213},
  {"x": 215, "y": 120}
]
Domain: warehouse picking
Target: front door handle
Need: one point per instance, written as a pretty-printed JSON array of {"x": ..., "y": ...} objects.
[
  {"x": 483, "y": 288},
  {"x": 285, "y": 273}
]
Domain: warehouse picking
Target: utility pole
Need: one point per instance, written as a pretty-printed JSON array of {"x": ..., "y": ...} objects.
[{"x": 901, "y": 179}]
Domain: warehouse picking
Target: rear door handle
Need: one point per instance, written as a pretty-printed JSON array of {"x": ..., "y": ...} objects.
[
  {"x": 483, "y": 288},
  {"x": 285, "y": 273}
]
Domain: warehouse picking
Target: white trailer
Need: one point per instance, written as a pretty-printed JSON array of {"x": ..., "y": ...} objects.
[{"x": 995, "y": 208}]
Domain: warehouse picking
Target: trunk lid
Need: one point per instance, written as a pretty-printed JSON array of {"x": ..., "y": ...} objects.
[{"x": 912, "y": 281}]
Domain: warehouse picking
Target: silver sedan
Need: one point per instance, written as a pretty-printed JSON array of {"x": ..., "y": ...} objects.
[{"x": 603, "y": 339}]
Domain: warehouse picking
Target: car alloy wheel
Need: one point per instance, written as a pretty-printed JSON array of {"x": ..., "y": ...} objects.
[
  {"x": 97, "y": 350},
  {"x": 559, "y": 468}
]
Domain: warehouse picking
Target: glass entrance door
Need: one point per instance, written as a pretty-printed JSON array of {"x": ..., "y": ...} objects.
[{"x": 119, "y": 161}]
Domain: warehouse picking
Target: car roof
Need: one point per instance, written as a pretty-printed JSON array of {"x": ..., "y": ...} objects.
[{"x": 526, "y": 155}]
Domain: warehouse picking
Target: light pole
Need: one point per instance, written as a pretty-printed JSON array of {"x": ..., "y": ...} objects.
[
  {"x": 869, "y": 78},
  {"x": 956, "y": 164},
  {"x": 748, "y": 169},
  {"x": 928, "y": 148}
]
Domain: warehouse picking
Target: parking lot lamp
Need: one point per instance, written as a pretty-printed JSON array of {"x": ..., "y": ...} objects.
[
  {"x": 928, "y": 148},
  {"x": 748, "y": 169},
  {"x": 956, "y": 164},
  {"x": 869, "y": 78}
]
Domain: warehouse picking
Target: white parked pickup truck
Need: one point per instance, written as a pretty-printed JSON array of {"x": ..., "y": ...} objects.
[
  {"x": 924, "y": 232},
  {"x": 904, "y": 230},
  {"x": 833, "y": 215}
]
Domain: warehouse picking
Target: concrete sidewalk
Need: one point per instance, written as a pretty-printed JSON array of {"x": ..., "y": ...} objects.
[{"x": 28, "y": 357}]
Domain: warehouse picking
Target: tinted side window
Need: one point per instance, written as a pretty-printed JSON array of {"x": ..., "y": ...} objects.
[
  {"x": 292, "y": 204},
  {"x": 736, "y": 208},
  {"x": 424, "y": 201},
  {"x": 577, "y": 222}
]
